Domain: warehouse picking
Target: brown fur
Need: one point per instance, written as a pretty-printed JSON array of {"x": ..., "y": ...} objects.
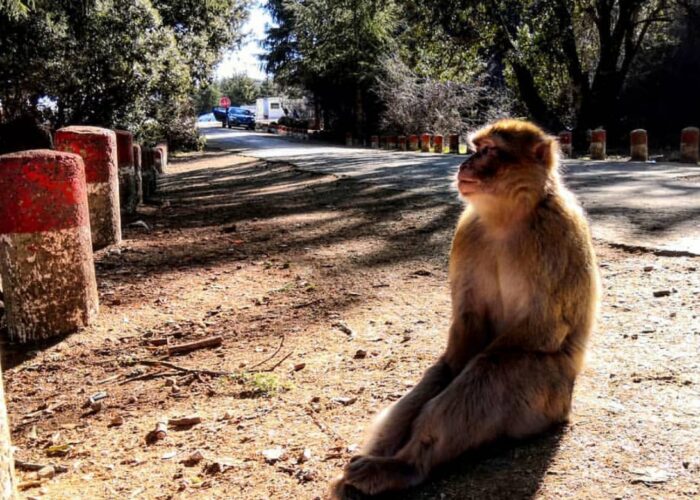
[{"x": 524, "y": 297}]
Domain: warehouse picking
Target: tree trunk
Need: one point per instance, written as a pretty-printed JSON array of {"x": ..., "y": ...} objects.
[
  {"x": 7, "y": 482},
  {"x": 538, "y": 109}
]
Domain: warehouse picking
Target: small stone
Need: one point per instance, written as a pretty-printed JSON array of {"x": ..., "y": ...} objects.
[
  {"x": 116, "y": 421},
  {"x": 662, "y": 293},
  {"x": 193, "y": 459},
  {"x": 299, "y": 366},
  {"x": 648, "y": 269},
  {"x": 360, "y": 354},
  {"x": 344, "y": 401},
  {"x": 272, "y": 455},
  {"x": 304, "y": 456},
  {"x": 46, "y": 472}
]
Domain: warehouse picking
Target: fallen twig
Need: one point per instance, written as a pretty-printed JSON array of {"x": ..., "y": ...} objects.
[
  {"x": 324, "y": 428},
  {"x": 185, "y": 421},
  {"x": 279, "y": 348},
  {"x": 197, "y": 344},
  {"x": 29, "y": 466},
  {"x": 149, "y": 376},
  {"x": 168, "y": 364},
  {"x": 272, "y": 368}
]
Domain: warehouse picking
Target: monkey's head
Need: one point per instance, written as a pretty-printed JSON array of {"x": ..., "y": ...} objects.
[{"x": 514, "y": 161}]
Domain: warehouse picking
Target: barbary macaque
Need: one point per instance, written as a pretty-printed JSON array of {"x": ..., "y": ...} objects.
[{"x": 524, "y": 287}]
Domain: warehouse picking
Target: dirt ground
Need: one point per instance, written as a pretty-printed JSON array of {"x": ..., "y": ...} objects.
[{"x": 350, "y": 281}]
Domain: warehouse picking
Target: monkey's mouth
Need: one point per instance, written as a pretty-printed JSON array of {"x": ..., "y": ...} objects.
[{"x": 467, "y": 185}]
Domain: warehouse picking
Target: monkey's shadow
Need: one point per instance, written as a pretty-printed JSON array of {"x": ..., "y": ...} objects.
[{"x": 505, "y": 469}]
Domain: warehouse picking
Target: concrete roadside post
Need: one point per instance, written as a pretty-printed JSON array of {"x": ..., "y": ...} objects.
[
  {"x": 597, "y": 148},
  {"x": 127, "y": 171},
  {"x": 374, "y": 142},
  {"x": 413, "y": 142},
  {"x": 565, "y": 143},
  {"x": 46, "y": 261},
  {"x": 163, "y": 148},
  {"x": 425, "y": 143},
  {"x": 453, "y": 143},
  {"x": 348, "y": 139},
  {"x": 138, "y": 174},
  {"x": 392, "y": 141},
  {"x": 402, "y": 142},
  {"x": 98, "y": 149},
  {"x": 639, "y": 150},
  {"x": 437, "y": 143},
  {"x": 690, "y": 136}
]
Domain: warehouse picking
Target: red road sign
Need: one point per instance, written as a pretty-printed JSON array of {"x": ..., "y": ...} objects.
[{"x": 224, "y": 102}]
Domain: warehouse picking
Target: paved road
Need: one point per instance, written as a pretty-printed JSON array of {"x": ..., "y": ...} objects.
[{"x": 641, "y": 204}]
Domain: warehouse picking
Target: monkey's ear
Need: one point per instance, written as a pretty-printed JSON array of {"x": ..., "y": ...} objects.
[{"x": 544, "y": 151}]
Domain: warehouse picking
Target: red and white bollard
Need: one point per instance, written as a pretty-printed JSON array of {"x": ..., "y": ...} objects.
[
  {"x": 413, "y": 142},
  {"x": 566, "y": 143},
  {"x": 392, "y": 141},
  {"x": 639, "y": 149},
  {"x": 453, "y": 143},
  {"x": 402, "y": 142},
  {"x": 148, "y": 173},
  {"x": 163, "y": 148},
  {"x": 383, "y": 142},
  {"x": 46, "y": 261},
  {"x": 98, "y": 148},
  {"x": 690, "y": 136},
  {"x": 597, "y": 148},
  {"x": 138, "y": 174},
  {"x": 437, "y": 143},
  {"x": 425, "y": 143},
  {"x": 127, "y": 171},
  {"x": 374, "y": 142},
  {"x": 348, "y": 139}
]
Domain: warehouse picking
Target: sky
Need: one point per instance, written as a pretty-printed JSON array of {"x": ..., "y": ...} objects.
[{"x": 245, "y": 60}]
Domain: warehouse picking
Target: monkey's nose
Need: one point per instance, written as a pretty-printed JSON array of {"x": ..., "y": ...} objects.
[{"x": 465, "y": 163}]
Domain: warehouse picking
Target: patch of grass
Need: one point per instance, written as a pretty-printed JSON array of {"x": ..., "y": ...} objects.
[{"x": 263, "y": 384}]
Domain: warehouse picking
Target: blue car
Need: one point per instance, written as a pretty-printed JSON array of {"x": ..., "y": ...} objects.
[{"x": 239, "y": 117}]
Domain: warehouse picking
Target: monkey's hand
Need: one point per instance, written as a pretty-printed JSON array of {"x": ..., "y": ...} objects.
[{"x": 372, "y": 475}]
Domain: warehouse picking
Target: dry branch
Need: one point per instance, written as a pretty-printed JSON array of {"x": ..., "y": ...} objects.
[{"x": 197, "y": 344}]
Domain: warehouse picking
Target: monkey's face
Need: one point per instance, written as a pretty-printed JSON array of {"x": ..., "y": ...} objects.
[
  {"x": 512, "y": 160},
  {"x": 485, "y": 170}
]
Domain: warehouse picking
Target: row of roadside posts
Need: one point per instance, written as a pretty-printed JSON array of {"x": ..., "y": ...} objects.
[
  {"x": 437, "y": 143},
  {"x": 57, "y": 206}
]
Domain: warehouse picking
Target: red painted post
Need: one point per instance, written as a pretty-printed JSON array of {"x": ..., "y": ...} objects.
[
  {"x": 402, "y": 142},
  {"x": 453, "y": 143},
  {"x": 392, "y": 142},
  {"x": 437, "y": 143},
  {"x": 127, "y": 172},
  {"x": 45, "y": 246},
  {"x": 597, "y": 148},
  {"x": 148, "y": 173},
  {"x": 138, "y": 174},
  {"x": 374, "y": 142},
  {"x": 690, "y": 136},
  {"x": 639, "y": 150},
  {"x": 413, "y": 142},
  {"x": 425, "y": 143},
  {"x": 158, "y": 160},
  {"x": 98, "y": 148},
  {"x": 383, "y": 142},
  {"x": 565, "y": 143},
  {"x": 163, "y": 146},
  {"x": 348, "y": 139}
]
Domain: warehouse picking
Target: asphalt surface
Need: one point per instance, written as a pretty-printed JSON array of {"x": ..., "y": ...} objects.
[{"x": 654, "y": 205}]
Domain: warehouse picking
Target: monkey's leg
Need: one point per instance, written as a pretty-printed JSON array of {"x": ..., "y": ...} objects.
[
  {"x": 497, "y": 395},
  {"x": 392, "y": 427}
]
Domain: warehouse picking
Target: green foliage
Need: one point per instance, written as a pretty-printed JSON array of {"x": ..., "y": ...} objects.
[
  {"x": 130, "y": 64},
  {"x": 331, "y": 49}
]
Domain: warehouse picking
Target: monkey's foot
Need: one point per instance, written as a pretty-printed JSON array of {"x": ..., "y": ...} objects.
[{"x": 374, "y": 475}]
